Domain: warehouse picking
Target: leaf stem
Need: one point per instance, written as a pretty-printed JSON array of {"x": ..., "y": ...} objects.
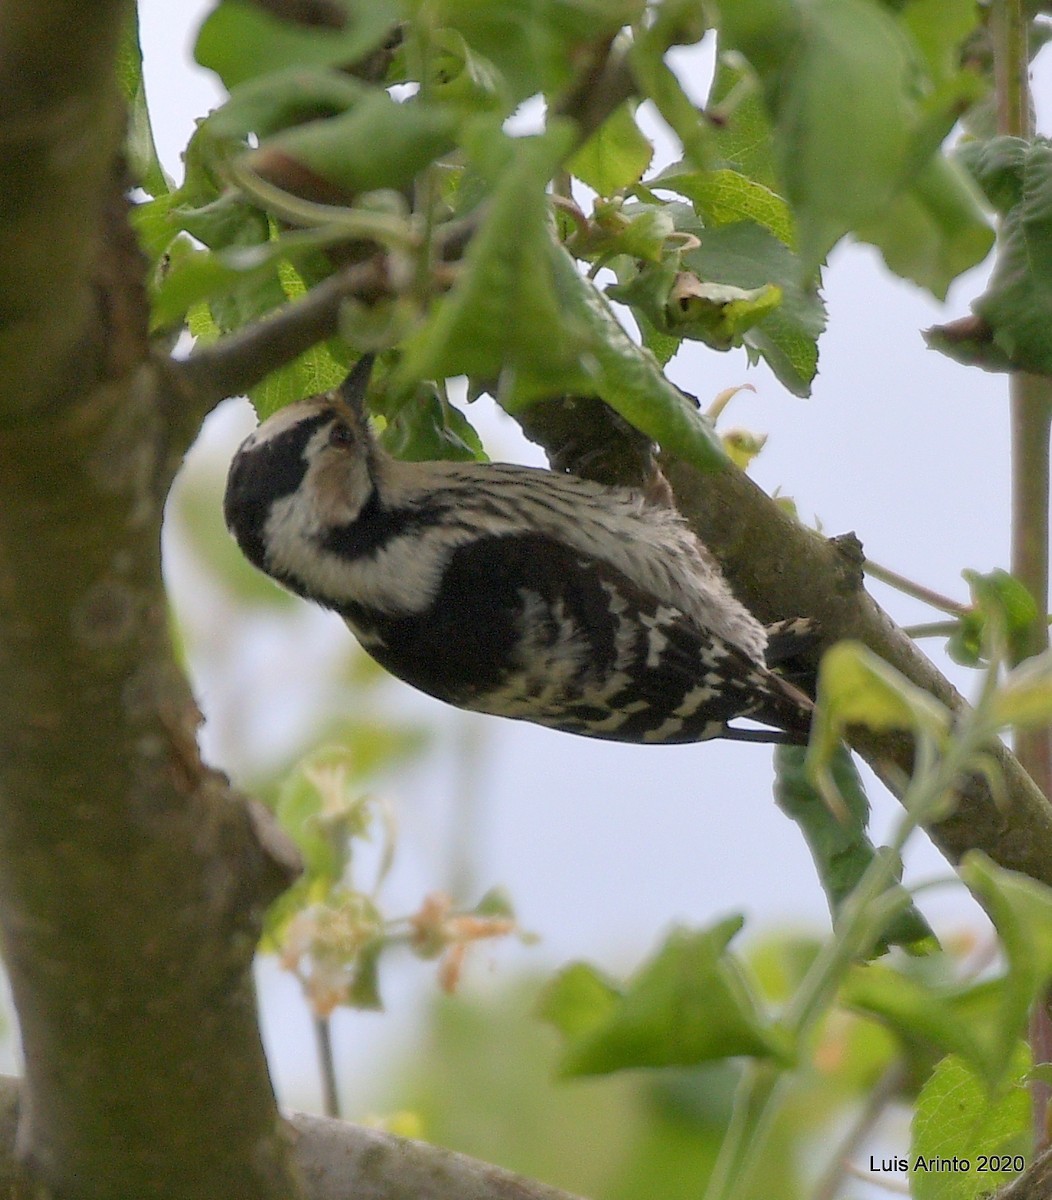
[{"x": 917, "y": 590}]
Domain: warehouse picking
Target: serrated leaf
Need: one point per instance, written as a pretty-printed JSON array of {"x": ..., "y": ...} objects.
[
  {"x": 689, "y": 1004},
  {"x": 723, "y": 197},
  {"x": 749, "y": 256},
  {"x": 956, "y": 1120},
  {"x": 998, "y": 166},
  {"x": 615, "y": 156},
  {"x": 853, "y": 121},
  {"x": 239, "y": 40},
  {"x": 744, "y": 137},
  {"x": 838, "y": 842}
]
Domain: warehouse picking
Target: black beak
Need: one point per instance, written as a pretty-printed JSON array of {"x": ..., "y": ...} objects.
[{"x": 354, "y": 387}]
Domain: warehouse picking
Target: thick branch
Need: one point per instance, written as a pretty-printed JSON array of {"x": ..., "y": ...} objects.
[
  {"x": 60, "y": 121},
  {"x": 235, "y": 363},
  {"x": 339, "y": 1161},
  {"x": 132, "y": 880},
  {"x": 780, "y": 569}
]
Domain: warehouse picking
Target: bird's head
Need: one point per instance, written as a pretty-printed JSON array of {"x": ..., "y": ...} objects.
[{"x": 307, "y": 469}]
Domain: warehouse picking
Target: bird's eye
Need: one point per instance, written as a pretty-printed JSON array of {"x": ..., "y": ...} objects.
[{"x": 341, "y": 435}]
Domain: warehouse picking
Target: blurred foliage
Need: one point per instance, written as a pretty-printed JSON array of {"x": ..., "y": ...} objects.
[
  {"x": 387, "y": 134},
  {"x": 387, "y": 140}
]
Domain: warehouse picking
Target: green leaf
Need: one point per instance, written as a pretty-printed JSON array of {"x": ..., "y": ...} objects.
[
  {"x": 579, "y": 1000},
  {"x": 998, "y": 166},
  {"x": 141, "y": 149},
  {"x": 537, "y": 46},
  {"x": 1006, "y": 610},
  {"x": 1017, "y": 304},
  {"x": 239, "y": 40},
  {"x": 463, "y": 79},
  {"x": 615, "y": 156},
  {"x": 855, "y": 117},
  {"x": 856, "y": 687},
  {"x": 957, "y": 1120},
  {"x": 838, "y": 843},
  {"x": 154, "y": 225},
  {"x": 316, "y": 370},
  {"x": 506, "y": 316},
  {"x": 1021, "y": 910},
  {"x": 939, "y": 28},
  {"x": 377, "y": 143},
  {"x": 425, "y": 427},
  {"x": 954, "y": 1020},
  {"x": 744, "y": 137},
  {"x": 750, "y": 256},
  {"x": 688, "y": 1004},
  {"x": 933, "y": 231},
  {"x": 681, "y": 304},
  {"x": 718, "y": 313},
  {"x": 250, "y": 271},
  {"x": 723, "y": 197},
  {"x": 283, "y": 98}
]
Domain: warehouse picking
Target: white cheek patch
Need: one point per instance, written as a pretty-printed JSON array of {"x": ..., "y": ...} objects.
[{"x": 402, "y": 578}]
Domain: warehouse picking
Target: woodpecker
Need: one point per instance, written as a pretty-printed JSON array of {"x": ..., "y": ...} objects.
[{"x": 506, "y": 589}]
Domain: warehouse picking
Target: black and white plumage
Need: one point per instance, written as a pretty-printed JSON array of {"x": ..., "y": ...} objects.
[{"x": 505, "y": 589}]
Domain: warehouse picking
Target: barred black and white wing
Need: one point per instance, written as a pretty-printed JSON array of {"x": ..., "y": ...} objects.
[{"x": 523, "y": 626}]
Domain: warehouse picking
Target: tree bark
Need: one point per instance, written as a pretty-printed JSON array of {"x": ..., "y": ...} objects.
[
  {"x": 780, "y": 569},
  {"x": 338, "y": 1161},
  {"x": 133, "y": 880}
]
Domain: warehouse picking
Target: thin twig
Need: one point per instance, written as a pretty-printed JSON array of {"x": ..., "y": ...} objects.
[
  {"x": 230, "y": 366},
  {"x": 327, "y": 1066},
  {"x": 928, "y": 629},
  {"x": 840, "y": 1166},
  {"x": 917, "y": 590}
]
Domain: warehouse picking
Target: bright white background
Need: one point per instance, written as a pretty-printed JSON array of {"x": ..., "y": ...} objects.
[{"x": 603, "y": 846}]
